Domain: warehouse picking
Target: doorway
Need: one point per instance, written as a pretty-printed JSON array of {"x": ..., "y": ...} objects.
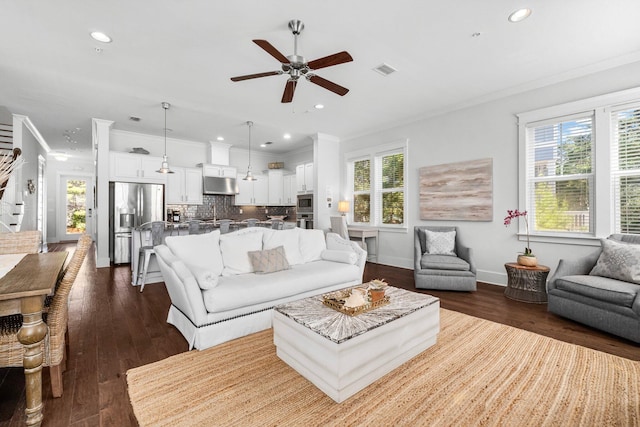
[{"x": 76, "y": 194}]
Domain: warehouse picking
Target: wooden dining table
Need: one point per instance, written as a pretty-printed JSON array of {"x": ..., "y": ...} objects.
[{"x": 22, "y": 290}]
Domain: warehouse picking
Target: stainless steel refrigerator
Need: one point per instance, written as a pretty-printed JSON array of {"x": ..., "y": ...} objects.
[{"x": 131, "y": 205}]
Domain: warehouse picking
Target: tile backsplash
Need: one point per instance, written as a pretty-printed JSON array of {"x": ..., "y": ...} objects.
[{"x": 222, "y": 207}]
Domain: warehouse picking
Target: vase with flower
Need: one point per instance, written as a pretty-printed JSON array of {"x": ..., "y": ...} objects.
[{"x": 527, "y": 259}]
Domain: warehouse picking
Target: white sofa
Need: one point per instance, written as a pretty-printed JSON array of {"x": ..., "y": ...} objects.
[{"x": 215, "y": 294}]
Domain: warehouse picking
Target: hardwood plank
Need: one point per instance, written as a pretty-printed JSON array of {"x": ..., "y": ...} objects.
[{"x": 110, "y": 322}]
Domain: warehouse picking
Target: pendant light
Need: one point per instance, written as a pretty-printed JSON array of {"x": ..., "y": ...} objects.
[
  {"x": 164, "y": 168},
  {"x": 249, "y": 176}
]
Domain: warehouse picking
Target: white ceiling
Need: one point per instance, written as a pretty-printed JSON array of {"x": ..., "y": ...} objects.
[{"x": 184, "y": 52}]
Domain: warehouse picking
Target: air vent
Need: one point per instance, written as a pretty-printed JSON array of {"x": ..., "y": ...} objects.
[
  {"x": 134, "y": 118},
  {"x": 384, "y": 69}
]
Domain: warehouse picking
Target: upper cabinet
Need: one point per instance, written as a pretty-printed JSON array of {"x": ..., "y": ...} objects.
[
  {"x": 184, "y": 186},
  {"x": 289, "y": 190},
  {"x": 135, "y": 168},
  {"x": 219, "y": 170},
  {"x": 276, "y": 187},
  {"x": 304, "y": 178},
  {"x": 252, "y": 192}
]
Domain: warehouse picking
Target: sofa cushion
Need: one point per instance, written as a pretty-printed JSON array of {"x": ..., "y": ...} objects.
[
  {"x": 244, "y": 290},
  {"x": 443, "y": 262},
  {"x": 345, "y": 257},
  {"x": 618, "y": 260},
  {"x": 198, "y": 250},
  {"x": 235, "y": 248},
  {"x": 288, "y": 239},
  {"x": 440, "y": 242},
  {"x": 312, "y": 243},
  {"x": 600, "y": 288},
  {"x": 269, "y": 260}
]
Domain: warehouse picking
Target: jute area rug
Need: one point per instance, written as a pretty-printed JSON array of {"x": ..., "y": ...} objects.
[{"x": 479, "y": 373}]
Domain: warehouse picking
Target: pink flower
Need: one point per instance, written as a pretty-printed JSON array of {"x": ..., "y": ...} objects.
[{"x": 513, "y": 215}]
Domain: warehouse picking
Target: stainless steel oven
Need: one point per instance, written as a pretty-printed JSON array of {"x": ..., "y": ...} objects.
[{"x": 305, "y": 203}]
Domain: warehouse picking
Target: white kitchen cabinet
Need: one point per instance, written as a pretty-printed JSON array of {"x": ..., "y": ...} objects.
[
  {"x": 184, "y": 186},
  {"x": 289, "y": 191},
  {"x": 304, "y": 178},
  {"x": 252, "y": 192},
  {"x": 219, "y": 170},
  {"x": 130, "y": 167},
  {"x": 276, "y": 187}
]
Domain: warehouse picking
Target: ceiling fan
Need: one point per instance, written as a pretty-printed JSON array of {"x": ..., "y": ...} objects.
[{"x": 296, "y": 66}]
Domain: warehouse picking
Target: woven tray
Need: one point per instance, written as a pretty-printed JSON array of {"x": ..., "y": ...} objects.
[{"x": 335, "y": 300}]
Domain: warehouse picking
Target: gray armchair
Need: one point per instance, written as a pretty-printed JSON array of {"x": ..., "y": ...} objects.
[
  {"x": 447, "y": 272},
  {"x": 604, "y": 303}
]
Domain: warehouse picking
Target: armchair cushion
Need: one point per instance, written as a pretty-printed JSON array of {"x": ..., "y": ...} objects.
[
  {"x": 600, "y": 288},
  {"x": 440, "y": 242},
  {"x": 618, "y": 261},
  {"x": 443, "y": 262}
]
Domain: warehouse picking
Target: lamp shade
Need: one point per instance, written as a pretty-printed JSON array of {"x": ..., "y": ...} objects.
[{"x": 343, "y": 206}]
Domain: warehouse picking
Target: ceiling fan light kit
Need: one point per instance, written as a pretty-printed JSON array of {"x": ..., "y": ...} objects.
[{"x": 296, "y": 66}]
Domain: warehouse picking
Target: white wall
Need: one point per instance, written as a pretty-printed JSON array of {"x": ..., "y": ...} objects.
[{"x": 487, "y": 130}]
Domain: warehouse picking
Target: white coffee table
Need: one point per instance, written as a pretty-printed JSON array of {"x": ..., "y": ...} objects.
[{"x": 341, "y": 354}]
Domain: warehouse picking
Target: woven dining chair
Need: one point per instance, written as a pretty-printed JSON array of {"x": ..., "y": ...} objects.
[
  {"x": 20, "y": 242},
  {"x": 53, "y": 346}
]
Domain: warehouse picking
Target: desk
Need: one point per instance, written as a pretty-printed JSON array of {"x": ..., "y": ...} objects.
[
  {"x": 22, "y": 290},
  {"x": 363, "y": 233},
  {"x": 526, "y": 284}
]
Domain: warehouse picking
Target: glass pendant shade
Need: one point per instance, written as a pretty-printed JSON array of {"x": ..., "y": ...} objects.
[
  {"x": 164, "y": 167},
  {"x": 249, "y": 176}
]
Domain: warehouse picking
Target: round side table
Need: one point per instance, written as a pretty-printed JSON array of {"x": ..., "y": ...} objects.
[{"x": 526, "y": 284}]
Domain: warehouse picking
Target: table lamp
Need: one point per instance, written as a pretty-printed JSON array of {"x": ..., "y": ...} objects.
[{"x": 343, "y": 207}]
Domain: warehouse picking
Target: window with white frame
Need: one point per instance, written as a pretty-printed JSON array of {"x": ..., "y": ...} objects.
[
  {"x": 376, "y": 183},
  {"x": 580, "y": 174}
]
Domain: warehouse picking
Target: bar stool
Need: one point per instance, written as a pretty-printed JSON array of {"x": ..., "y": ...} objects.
[
  {"x": 194, "y": 226},
  {"x": 251, "y": 222},
  {"x": 277, "y": 224},
  {"x": 224, "y": 225},
  {"x": 144, "y": 254}
]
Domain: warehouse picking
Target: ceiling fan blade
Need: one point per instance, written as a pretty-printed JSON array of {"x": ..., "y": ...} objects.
[
  {"x": 333, "y": 87},
  {"x": 328, "y": 61},
  {"x": 289, "y": 89},
  {"x": 255, "y": 76},
  {"x": 268, "y": 47}
]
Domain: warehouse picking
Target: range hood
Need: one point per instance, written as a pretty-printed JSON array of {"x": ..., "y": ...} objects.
[{"x": 219, "y": 185}]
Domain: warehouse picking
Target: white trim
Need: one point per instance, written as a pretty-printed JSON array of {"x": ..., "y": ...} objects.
[{"x": 26, "y": 121}]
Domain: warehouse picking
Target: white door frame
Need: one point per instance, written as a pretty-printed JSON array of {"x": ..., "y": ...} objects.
[{"x": 62, "y": 178}]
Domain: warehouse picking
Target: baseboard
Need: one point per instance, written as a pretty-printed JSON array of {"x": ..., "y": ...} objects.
[{"x": 492, "y": 277}]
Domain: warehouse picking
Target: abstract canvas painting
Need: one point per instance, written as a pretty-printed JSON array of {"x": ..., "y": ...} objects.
[{"x": 457, "y": 191}]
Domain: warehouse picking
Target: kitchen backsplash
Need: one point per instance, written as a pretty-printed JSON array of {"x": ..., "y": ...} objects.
[{"x": 222, "y": 207}]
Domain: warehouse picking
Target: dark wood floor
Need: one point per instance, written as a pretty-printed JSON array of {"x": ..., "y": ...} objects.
[{"x": 114, "y": 328}]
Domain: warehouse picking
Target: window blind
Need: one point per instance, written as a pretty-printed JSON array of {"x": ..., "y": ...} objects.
[
  {"x": 390, "y": 188},
  {"x": 559, "y": 174},
  {"x": 625, "y": 169},
  {"x": 362, "y": 190}
]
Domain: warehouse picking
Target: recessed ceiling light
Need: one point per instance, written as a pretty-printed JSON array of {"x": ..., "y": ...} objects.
[
  {"x": 220, "y": 138},
  {"x": 101, "y": 37},
  {"x": 286, "y": 136},
  {"x": 520, "y": 15},
  {"x": 318, "y": 106}
]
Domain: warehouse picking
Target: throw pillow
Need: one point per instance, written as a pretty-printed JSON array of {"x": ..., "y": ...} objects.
[
  {"x": 345, "y": 257},
  {"x": 287, "y": 238},
  {"x": 269, "y": 260},
  {"x": 206, "y": 279},
  {"x": 235, "y": 248},
  {"x": 312, "y": 243},
  {"x": 618, "y": 260},
  {"x": 440, "y": 242},
  {"x": 199, "y": 250}
]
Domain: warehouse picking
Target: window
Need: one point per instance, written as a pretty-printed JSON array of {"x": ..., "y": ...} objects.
[
  {"x": 376, "y": 184},
  {"x": 625, "y": 169},
  {"x": 560, "y": 175},
  {"x": 580, "y": 174}
]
